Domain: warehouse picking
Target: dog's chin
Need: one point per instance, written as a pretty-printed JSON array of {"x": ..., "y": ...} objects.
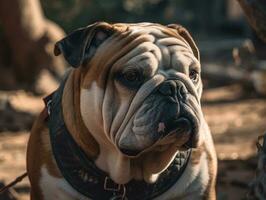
[{"x": 149, "y": 164}]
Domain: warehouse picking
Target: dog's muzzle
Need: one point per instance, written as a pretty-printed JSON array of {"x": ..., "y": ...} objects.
[
  {"x": 170, "y": 116},
  {"x": 176, "y": 121}
]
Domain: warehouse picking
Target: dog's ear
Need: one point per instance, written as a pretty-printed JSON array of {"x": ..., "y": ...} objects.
[
  {"x": 186, "y": 35},
  {"x": 80, "y": 45}
]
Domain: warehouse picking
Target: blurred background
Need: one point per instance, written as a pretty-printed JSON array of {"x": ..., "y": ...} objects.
[{"x": 233, "y": 70}]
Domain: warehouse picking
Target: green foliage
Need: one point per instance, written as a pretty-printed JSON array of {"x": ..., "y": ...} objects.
[
  {"x": 71, "y": 14},
  {"x": 199, "y": 16}
]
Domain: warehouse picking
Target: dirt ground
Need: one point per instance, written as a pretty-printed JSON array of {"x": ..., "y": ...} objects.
[{"x": 235, "y": 116}]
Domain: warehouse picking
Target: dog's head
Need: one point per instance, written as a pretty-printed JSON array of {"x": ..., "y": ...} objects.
[{"x": 139, "y": 96}]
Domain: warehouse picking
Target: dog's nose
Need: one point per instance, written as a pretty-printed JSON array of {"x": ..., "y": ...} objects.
[
  {"x": 173, "y": 88},
  {"x": 167, "y": 88}
]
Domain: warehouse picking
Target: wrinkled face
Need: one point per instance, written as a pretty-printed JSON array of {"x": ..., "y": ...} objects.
[
  {"x": 158, "y": 98},
  {"x": 141, "y": 89}
]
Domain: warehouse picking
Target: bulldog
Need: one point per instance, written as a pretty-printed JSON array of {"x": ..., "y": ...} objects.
[{"x": 126, "y": 121}]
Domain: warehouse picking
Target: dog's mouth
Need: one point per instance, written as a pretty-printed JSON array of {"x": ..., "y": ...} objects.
[
  {"x": 176, "y": 126},
  {"x": 180, "y": 131}
]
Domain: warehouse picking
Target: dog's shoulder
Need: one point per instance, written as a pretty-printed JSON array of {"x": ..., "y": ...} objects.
[{"x": 39, "y": 154}]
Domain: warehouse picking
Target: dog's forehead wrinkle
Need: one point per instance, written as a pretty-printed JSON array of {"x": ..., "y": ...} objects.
[
  {"x": 144, "y": 48},
  {"x": 146, "y": 55},
  {"x": 148, "y": 30},
  {"x": 181, "y": 62},
  {"x": 170, "y": 41},
  {"x": 179, "y": 49},
  {"x": 146, "y": 61},
  {"x": 166, "y": 57}
]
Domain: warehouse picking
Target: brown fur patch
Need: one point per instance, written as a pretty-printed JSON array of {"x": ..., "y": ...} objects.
[
  {"x": 196, "y": 154},
  {"x": 39, "y": 154},
  {"x": 210, "y": 193},
  {"x": 72, "y": 116},
  {"x": 105, "y": 57}
]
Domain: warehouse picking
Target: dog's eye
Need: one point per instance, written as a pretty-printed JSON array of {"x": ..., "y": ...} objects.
[
  {"x": 131, "y": 76},
  {"x": 194, "y": 75}
]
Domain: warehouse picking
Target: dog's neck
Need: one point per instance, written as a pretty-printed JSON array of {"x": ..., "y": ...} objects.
[{"x": 72, "y": 116}]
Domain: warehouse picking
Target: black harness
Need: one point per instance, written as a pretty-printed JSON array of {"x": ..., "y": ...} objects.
[{"x": 85, "y": 177}]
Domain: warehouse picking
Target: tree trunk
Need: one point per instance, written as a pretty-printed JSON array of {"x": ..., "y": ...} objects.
[
  {"x": 258, "y": 185},
  {"x": 255, "y": 11},
  {"x": 31, "y": 38}
]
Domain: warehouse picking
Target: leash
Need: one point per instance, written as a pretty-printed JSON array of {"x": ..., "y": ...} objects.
[{"x": 11, "y": 184}]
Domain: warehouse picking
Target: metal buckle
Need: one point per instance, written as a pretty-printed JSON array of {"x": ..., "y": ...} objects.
[
  {"x": 119, "y": 192},
  {"x": 49, "y": 106},
  {"x": 109, "y": 185}
]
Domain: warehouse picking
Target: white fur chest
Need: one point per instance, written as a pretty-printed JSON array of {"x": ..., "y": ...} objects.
[{"x": 57, "y": 188}]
